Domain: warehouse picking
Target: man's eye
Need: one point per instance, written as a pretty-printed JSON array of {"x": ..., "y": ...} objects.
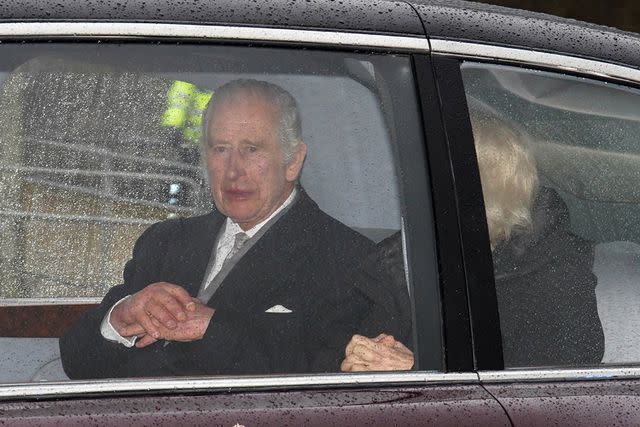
[
  {"x": 219, "y": 149},
  {"x": 252, "y": 149}
]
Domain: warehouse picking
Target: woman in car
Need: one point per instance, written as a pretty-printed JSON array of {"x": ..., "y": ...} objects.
[{"x": 543, "y": 272}]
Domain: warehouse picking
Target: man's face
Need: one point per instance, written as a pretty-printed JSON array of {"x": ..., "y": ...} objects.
[{"x": 247, "y": 171}]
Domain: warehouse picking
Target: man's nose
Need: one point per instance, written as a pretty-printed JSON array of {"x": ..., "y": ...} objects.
[{"x": 235, "y": 165}]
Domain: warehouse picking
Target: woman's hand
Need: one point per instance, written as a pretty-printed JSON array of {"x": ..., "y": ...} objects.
[{"x": 382, "y": 353}]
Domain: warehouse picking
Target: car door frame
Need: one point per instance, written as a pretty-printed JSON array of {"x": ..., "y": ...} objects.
[{"x": 528, "y": 395}]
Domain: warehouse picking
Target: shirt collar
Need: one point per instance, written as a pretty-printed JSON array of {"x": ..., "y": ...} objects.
[{"x": 232, "y": 228}]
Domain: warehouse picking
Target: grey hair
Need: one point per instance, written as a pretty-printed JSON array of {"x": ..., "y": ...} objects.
[
  {"x": 290, "y": 125},
  {"x": 508, "y": 172}
]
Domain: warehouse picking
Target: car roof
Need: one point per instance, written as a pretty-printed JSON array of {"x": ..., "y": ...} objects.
[
  {"x": 496, "y": 25},
  {"x": 443, "y": 19},
  {"x": 347, "y": 15}
]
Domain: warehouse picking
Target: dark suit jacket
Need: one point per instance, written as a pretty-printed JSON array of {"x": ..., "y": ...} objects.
[
  {"x": 381, "y": 295},
  {"x": 547, "y": 292},
  {"x": 300, "y": 263}
]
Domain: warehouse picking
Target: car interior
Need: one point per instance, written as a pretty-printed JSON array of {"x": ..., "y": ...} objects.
[{"x": 87, "y": 164}]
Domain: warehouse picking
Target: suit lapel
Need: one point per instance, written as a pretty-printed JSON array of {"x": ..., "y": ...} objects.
[
  {"x": 243, "y": 285},
  {"x": 197, "y": 246}
]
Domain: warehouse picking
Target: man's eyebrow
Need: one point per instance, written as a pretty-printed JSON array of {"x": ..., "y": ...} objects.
[
  {"x": 252, "y": 142},
  {"x": 212, "y": 141}
]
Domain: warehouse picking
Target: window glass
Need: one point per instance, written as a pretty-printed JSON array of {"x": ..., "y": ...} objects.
[
  {"x": 126, "y": 195},
  {"x": 560, "y": 165}
]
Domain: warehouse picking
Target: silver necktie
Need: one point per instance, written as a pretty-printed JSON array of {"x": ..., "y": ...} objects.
[{"x": 240, "y": 240}]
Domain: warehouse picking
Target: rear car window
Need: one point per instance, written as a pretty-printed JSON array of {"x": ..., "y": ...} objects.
[{"x": 559, "y": 173}]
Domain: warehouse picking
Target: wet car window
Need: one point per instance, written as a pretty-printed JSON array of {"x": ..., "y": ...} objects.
[
  {"x": 559, "y": 175},
  {"x": 117, "y": 175}
]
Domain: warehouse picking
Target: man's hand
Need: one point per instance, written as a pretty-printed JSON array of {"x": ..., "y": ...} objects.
[
  {"x": 190, "y": 329},
  {"x": 382, "y": 353},
  {"x": 159, "y": 305}
]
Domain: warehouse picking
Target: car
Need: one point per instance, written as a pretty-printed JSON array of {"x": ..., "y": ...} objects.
[{"x": 101, "y": 106}]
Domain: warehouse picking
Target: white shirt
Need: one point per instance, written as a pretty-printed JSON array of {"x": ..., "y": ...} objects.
[{"x": 225, "y": 244}]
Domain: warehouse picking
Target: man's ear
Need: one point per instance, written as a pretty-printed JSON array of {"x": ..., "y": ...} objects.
[{"x": 295, "y": 165}]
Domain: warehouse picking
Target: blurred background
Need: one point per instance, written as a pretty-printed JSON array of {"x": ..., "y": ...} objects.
[{"x": 622, "y": 14}]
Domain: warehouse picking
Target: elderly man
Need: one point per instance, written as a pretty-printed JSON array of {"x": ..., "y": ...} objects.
[{"x": 250, "y": 288}]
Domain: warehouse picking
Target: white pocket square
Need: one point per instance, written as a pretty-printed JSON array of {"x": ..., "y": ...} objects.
[{"x": 278, "y": 309}]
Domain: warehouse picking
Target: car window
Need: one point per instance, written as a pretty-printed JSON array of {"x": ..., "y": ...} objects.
[
  {"x": 558, "y": 159},
  {"x": 110, "y": 185}
]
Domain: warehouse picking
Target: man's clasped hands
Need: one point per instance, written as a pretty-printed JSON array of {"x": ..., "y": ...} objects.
[{"x": 161, "y": 311}]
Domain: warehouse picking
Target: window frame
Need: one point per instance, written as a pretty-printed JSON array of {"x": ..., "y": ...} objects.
[
  {"x": 449, "y": 55},
  {"x": 475, "y": 254},
  {"x": 412, "y": 188},
  {"x": 455, "y": 315}
]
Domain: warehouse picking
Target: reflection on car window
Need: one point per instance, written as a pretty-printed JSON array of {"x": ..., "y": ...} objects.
[
  {"x": 205, "y": 196},
  {"x": 559, "y": 178},
  {"x": 87, "y": 166}
]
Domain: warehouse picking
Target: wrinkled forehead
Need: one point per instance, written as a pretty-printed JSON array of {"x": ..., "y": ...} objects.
[
  {"x": 243, "y": 115},
  {"x": 245, "y": 105}
]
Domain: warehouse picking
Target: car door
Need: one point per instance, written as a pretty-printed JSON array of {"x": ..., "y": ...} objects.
[
  {"x": 575, "y": 302},
  {"x": 94, "y": 153}
]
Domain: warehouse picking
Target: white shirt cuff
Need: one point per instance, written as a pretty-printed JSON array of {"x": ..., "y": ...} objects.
[{"x": 109, "y": 332}]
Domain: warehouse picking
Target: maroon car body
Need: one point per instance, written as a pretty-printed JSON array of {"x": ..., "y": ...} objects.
[{"x": 464, "y": 381}]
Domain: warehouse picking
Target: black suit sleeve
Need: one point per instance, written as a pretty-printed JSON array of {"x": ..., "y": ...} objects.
[{"x": 85, "y": 353}]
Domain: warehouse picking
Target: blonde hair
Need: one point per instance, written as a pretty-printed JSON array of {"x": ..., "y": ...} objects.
[{"x": 507, "y": 172}]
